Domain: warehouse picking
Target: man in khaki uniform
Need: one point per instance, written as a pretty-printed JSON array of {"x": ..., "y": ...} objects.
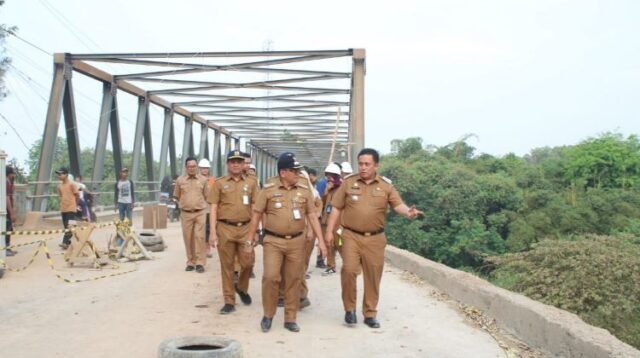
[
  {"x": 285, "y": 205},
  {"x": 361, "y": 204},
  {"x": 334, "y": 180},
  {"x": 191, "y": 192},
  {"x": 231, "y": 200}
]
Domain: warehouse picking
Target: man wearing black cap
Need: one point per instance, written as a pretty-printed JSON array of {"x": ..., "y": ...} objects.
[
  {"x": 69, "y": 199},
  {"x": 11, "y": 214},
  {"x": 285, "y": 203},
  {"x": 231, "y": 199}
]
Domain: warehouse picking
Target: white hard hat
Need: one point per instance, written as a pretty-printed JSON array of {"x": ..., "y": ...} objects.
[
  {"x": 346, "y": 168},
  {"x": 332, "y": 168},
  {"x": 251, "y": 166},
  {"x": 204, "y": 163}
]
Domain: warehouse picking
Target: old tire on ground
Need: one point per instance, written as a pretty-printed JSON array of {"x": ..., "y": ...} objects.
[
  {"x": 156, "y": 248},
  {"x": 197, "y": 347},
  {"x": 149, "y": 238}
]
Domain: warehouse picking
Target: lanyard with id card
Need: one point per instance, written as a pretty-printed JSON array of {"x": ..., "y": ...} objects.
[
  {"x": 296, "y": 210},
  {"x": 245, "y": 196}
]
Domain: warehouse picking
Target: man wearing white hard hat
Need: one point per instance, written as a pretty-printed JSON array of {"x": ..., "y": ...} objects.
[
  {"x": 334, "y": 180},
  {"x": 204, "y": 166},
  {"x": 346, "y": 169}
]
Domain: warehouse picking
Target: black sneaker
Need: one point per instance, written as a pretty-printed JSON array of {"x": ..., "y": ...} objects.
[
  {"x": 244, "y": 297},
  {"x": 280, "y": 302},
  {"x": 320, "y": 264},
  {"x": 189, "y": 268},
  {"x": 227, "y": 308},
  {"x": 199, "y": 268},
  {"x": 10, "y": 252},
  {"x": 328, "y": 272}
]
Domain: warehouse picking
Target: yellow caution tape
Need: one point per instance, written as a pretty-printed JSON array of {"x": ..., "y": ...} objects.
[
  {"x": 57, "y": 231},
  {"x": 43, "y": 246}
]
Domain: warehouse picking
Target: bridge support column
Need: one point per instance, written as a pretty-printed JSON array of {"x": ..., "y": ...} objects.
[
  {"x": 217, "y": 153},
  {"x": 356, "y": 114},
  {"x": 187, "y": 144},
  {"x": 60, "y": 99},
  {"x": 204, "y": 142},
  {"x": 141, "y": 121},
  {"x": 167, "y": 132},
  {"x": 108, "y": 118}
]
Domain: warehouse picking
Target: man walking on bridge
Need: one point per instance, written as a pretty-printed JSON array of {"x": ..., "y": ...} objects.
[
  {"x": 361, "y": 204},
  {"x": 231, "y": 199},
  {"x": 286, "y": 203},
  {"x": 192, "y": 191}
]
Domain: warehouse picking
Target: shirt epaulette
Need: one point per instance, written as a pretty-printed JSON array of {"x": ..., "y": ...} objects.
[
  {"x": 269, "y": 185},
  {"x": 351, "y": 175},
  {"x": 302, "y": 185},
  {"x": 386, "y": 179}
]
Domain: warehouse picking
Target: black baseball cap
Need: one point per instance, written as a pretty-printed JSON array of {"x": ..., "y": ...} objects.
[
  {"x": 235, "y": 154},
  {"x": 62, "y": 170},
  {"x": 288, "y": 161}
]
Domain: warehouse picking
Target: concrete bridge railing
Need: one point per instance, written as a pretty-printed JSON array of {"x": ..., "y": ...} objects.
[{"x": 547, "y": 328}]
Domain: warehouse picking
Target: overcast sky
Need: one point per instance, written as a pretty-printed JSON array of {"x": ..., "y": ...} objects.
[{"x": 518, "y": 74}]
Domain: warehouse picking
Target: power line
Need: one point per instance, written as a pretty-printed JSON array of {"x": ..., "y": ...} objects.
[
  {"x": 27, "y": 42},
  {"x": 15, "y": 131}
]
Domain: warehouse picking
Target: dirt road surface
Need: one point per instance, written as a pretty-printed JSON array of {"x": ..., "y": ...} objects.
[{"x": 129, "y": 315}]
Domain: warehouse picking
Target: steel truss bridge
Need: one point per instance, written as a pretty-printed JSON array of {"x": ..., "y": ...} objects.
[{"x": 307, "y": 102}]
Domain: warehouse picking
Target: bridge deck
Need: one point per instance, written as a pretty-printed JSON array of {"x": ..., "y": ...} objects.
[{"x": 129, "y": 315}]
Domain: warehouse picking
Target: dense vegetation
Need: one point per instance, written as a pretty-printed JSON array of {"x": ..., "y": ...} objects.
[{"x": 560, "y": 225}]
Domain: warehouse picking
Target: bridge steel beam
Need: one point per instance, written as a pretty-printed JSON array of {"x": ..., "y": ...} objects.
[
  {"x": 101, "y": 140},
  {"x": 217, "y": 154},
  {"x": 140, "y": 134},
  {"x": 203, "y": 153},
  {"x": 356, "y": 113},
  {"x": 187, "y": 142},
  {"x": 167, "y": 132},
  {"x": 61, "y": 76},
  {"x": 148, "y": 155}
]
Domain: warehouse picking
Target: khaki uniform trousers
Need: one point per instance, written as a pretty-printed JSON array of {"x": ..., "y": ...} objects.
[
  {"x": 366, "y": 252},
  {"x": 231, "y": 245},
  {"x": 283, "y": 261},
  {"x": 193, "y": 236},
  {"x": 331, "y": 250},
  {"x": 304, "y": 289}
]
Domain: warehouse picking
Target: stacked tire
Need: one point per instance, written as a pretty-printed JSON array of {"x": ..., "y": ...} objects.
[{"x": 152, "y": 241}]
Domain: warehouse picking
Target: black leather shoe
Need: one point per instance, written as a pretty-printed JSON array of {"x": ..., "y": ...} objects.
[
  {"x": 199, "y": 268},
  {"x": 265, "y": 324},
  {"x": 280, "y": 302},
  {"x": 292, "y": 326},
  {"x": 304, "y": 302},
  {"x": 350, "y": 317},
  {"x": 189, "y": 268},
  {"x": 372, "y": 322},
  {"x": 244, "y": 297},
  {"x": 227, "y": 308}
]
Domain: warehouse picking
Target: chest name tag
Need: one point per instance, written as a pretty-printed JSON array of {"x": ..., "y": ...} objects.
[
  {"x": 328, "y": 209},
  {"x": 245, "y": 199},
  {"x": 296, "y": 214},
  {"x": 354, "y": 197},
  {"x": 277, "y": 205}
]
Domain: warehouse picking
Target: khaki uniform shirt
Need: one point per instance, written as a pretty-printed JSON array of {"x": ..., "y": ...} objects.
[
  {"x": 192, "y": 192},
  {"x": 279, "y": 204},
  {"x": 328, "y": 207},
  {"x": 364, "y": 205},
  {"x": 234, "y": 198},
  {"x": 68, "y": 191}
]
